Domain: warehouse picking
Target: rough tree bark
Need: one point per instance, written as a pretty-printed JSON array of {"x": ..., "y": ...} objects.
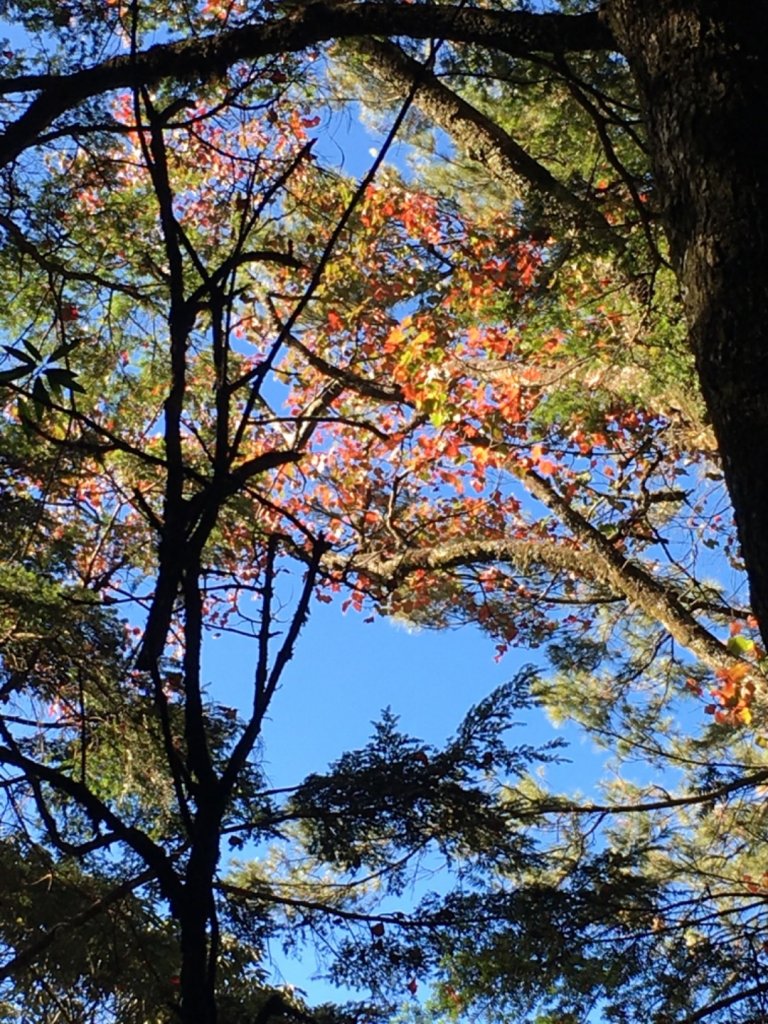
[{"x": 701, "y": 68}]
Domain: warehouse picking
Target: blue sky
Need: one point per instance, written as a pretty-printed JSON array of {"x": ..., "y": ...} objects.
[{"x": 345, "y": 671}]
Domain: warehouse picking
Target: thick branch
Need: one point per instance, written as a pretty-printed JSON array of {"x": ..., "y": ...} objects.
[
  {"x": 153, "y": 855},
  {"x": 481, "y": 138},
  {"x": 595, "y": 559},
  {"x": 393, "y": 569},
  {"x": 652, "y": 596},
  {"x": 514, "y": 32}
]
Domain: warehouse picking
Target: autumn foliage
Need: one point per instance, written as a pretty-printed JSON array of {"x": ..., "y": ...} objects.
[{"x": 444, "y": 390}]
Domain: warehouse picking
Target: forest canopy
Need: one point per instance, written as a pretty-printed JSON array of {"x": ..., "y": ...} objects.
[{"x": 508, "y": 376}]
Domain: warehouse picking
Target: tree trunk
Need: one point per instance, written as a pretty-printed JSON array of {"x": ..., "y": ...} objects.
[
  {"x": 702, "y": 72},
  {"x": 197, "y": 925},
  {"x": 197, "y": 986}
]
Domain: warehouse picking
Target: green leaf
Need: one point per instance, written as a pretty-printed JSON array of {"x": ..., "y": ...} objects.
[
  {"x": 8, "y": 375},
  {"x": 33, "y": 350},
  {"x": 64, "y": 349},
  {"x": 26, "y": 413},
  {"x": 740, "y": 645},
  {"x": 40, "y": 398},
  {"x": 59, "y": 377},
  {"x": 19, "y": 353}
]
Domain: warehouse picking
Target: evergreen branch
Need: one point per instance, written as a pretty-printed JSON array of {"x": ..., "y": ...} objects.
[
  {"x": 482, "y": 139},
  {"x": 153, "y": 855},
  {"x": 29, "y": 954},
  {"x": 689, "y": 800},
  {"x": 56, "y": 267},
  {"x": 651, "y": 595},
  {"x": 394, "y": 918}
]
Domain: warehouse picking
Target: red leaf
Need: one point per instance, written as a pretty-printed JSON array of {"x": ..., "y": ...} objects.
[{"x": 335, "y": 323}]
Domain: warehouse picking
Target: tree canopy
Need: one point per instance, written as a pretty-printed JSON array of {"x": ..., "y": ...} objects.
[{"x": 510, "y": 376}]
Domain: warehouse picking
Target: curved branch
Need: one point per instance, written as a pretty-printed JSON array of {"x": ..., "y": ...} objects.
[
  {"x": 514, "y": 32},
  {"x": 691, "y": 799},
  {"x": 595, "y": 559},
  {"x": 454, "y": 554},
  {"x": 651, "y": 595},
  {"x": 153, "y": 855}
]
